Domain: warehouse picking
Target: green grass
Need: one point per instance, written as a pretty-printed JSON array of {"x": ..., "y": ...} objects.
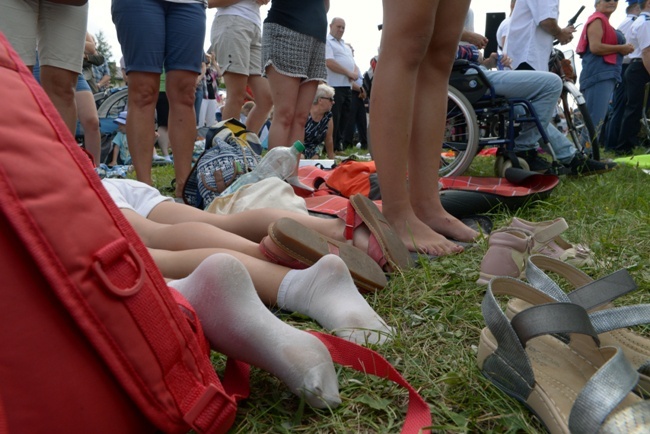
[{"x": 435, "y": 309}]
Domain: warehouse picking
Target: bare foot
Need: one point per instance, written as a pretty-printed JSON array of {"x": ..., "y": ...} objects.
[
  {"x": 447, "y": 225},
  {"x": 419, "y": 237}
]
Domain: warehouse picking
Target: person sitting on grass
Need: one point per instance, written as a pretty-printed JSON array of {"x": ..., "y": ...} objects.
[
  {"x": 319, "y": 128},
  {"x": 324, "y": 291},
  {"x": 120, "y": 155}
]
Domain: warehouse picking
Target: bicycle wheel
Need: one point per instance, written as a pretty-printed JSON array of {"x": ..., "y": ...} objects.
[
  {"x": 580, "y": 127},
  {"x": 114, "y": 104},
  {"x": 460, "y": 144}
]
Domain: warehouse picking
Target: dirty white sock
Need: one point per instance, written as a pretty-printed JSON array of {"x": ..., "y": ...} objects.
[
  {"x": 326, "y": 292},
  {"x": 237, "y": 324}
]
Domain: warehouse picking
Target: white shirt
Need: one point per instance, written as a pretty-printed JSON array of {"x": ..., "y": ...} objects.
[
  {"x": 640, "y": 34},
  {"x": 341, "y": 53},
  {"x": 526, "y": 40},
  {"x": 247, "y": 9},
  {"x": 502, "y": 32},
  {"x": 624, "y": 28}
]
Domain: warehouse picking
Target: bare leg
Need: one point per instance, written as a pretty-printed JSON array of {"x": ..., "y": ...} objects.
[
  {"x": 284, "y": 91},
  {"x": 188, "y": 235},
  {"x": 253, "y": 225},
  {"x": 90, "y": 122},
  {"x": 180, "y": 87},
  {"x": 59, "y": 84},
  {"x": 407, "y": 34},
  {"x": 429, "y": 125},
  {"x": 143, "y": 94},
  {"x": 263, "y": 103},
  {"x": 237, "y": 324}
]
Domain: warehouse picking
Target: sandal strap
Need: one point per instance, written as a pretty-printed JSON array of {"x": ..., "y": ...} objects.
[
  {"x": 604, "y": 290},
  {"x": 589, "y": 293},
  {"x": 510, "y": 363},
  {"x": 550, "y": 232},
  {"x": 620, "y": 317},
  {"x": 602, "y": 394},
  {"x": 352, "y": 222},
  {"x": 552, "y": 319}
]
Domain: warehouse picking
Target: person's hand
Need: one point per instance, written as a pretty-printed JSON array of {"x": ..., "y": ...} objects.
[
  {"x": 352, "y": 76},
  {"x": 625, "y": 49},
  {"x": 362, "y": 93},
  {"x": 566, "y": 35},
  {"x": 262, "y": 2},
  {"x": 506, "y": 61},
  {"x": 475, "y": 39}
]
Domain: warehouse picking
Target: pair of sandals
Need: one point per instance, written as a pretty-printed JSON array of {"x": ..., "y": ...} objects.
[
  {"x": 568, "y": 357},
  {"x": 293, "y": 245}
]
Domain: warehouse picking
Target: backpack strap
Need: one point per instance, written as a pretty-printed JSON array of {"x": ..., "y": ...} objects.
[{"x": 346, "y": 353}]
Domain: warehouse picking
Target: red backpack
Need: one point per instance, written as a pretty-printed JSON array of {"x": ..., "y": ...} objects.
[{"x": 92, "y": 338}]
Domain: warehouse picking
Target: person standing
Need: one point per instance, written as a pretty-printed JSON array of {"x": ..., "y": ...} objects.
[
  {"x": 636, "y": 77},
  {"x": 237, "y": 41},
  {"x": 341, "y": 73},
  {"x": 60, "y": 30},
  {"x": 157, "y": 34},
  {"x": 533, "y": 26},
  {"x": 358, "y": 118},
  {"x": 602, "y": 55},
  {"x": 619, "y": 100},
  {"x": 419, "y": 44}
]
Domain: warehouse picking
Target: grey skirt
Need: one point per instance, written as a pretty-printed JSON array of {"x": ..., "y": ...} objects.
[{"x": 292, "y": 53}]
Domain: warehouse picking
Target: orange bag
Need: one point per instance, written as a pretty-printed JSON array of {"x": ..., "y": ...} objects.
[{"x": 352, "y": 177}]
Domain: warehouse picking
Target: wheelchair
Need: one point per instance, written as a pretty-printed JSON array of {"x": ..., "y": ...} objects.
[{"x": 478, "y": 118}]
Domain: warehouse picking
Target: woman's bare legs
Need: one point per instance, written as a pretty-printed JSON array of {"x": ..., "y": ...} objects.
[
  {"x": 180, "y": 87},
  {"x": 292, "y": 99},
  {"x": 407, "y": 34},
  {"x": 253, "y": 225},
  {"x": 428, "y": 128},
  {"x": 60, "y": 85},
  {"x": 89, "y": 120},
  {"x": 188, "y": 235},
  {"x": 143, "y": 94},
  {"x": 284, "y": 92}
]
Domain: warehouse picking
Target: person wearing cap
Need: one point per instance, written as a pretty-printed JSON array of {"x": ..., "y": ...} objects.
[
  {"x": 602, "y": 51},
  {"x": 636, "y": 77},
  {"x": 619, "y": 99},
  {"x": 120, "y": 154}
]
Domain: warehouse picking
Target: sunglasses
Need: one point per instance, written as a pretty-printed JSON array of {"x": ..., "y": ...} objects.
[
  {"x": 328, "y": 98},
  {"x": 607, "y": 1}
]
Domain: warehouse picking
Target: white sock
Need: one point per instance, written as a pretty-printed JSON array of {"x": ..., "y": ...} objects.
[
  {"x": 325, "y": 292},
  {"x": 237, "y": 324}
]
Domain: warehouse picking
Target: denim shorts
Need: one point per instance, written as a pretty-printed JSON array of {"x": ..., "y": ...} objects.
[{"x": 154, "y": 34}]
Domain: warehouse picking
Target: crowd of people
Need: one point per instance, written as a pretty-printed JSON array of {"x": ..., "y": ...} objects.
[{"x": 291, "y": 64}]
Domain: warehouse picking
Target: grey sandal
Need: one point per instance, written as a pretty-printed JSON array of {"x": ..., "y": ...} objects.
[
  {"x": 595, "y": 296},
  {"x": 548, "y": 357}
]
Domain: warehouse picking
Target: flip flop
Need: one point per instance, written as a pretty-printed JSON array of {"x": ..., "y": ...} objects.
[
  {"x": 384, "y": 246},
  {"x": 294, "y": 245},
  {"x": 548, "y": 357},
  {"x": 594, "y": 296}
]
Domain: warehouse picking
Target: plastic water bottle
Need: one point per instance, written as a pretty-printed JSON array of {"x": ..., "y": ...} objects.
[{"x": 279, "y": 162}]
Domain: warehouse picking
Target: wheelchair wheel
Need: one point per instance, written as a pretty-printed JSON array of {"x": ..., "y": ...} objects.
[
  {"x": 502, "y": 164},
  {"x": 461, "y": 140},
  {"x": 114, "y": 104},
  {"x": 581, "y": 129}
]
